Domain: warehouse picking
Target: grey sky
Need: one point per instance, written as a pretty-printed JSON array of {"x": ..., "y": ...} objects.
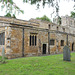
[{"x": 31, "y": 12}]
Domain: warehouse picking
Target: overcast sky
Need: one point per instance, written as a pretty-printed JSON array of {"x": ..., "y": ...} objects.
[{"x": 31, "y": 12}]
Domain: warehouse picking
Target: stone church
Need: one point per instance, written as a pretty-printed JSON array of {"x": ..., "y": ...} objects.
[{"x": 22, "y": 38}]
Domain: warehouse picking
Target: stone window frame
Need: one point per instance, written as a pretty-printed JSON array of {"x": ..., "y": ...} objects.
[
  {"x": 52, "y": 41},
  {"x": 2, "y": 38},
  {"x": 62, "y": 42},
  {"x": 33, "y": 39}
]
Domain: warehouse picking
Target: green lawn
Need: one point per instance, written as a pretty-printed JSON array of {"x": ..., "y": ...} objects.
[
  {"x": 43, "y": 65},
  {"x": 0, "y": 57}
]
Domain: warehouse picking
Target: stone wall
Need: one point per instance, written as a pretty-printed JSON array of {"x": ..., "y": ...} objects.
[
  {"x": 57, "y": 48},
  {"x": 17, "y": 42},
  {"x": 14, "y": 40},
  {"x": 67, "y": 21},
  {"x": 65, "y": 26},
  {"x": 29, "y": 50},
  {"x": 42, "y": 37},
  {"x": 15, "y": 48}
]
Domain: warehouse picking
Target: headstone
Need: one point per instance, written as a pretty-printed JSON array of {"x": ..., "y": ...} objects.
[
  {"x": 3, "y": 53},
  {"x": 66, "y": 53}
]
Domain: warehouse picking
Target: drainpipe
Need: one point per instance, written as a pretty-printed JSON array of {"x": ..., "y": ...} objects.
[
  {"x": 48, "y": 41},
  {"x": 23, "y": 43},
  {"x": 67, "y": 40},
  {"x": 49, "y": 38}
]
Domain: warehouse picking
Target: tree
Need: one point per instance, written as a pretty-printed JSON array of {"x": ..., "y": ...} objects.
[
  {"x": 73, "y": 14},
  {"x": 44, "y": 18},
  {"x": 59, "y": 20},
  {"x": 9, "y": 15},
  {"x": 12, "y": 7}
]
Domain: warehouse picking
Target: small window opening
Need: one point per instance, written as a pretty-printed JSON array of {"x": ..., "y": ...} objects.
[
  {"x": 52, "y": 42},
  {"x": 62, "y": 42},
  {"x": 49, "y": 26}
]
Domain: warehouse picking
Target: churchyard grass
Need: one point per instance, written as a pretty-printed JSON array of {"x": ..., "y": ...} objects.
[
  {"x": 41, "y": 65},
  {"x": 0, "y": 57}
]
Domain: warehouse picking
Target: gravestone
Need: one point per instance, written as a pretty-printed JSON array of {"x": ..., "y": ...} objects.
[{"x": 66, "y": 53}]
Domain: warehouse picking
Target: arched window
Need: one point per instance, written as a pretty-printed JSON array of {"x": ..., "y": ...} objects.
[
  {"x": 33, "y": 39},
  {"x": 30, "y": 40}
]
